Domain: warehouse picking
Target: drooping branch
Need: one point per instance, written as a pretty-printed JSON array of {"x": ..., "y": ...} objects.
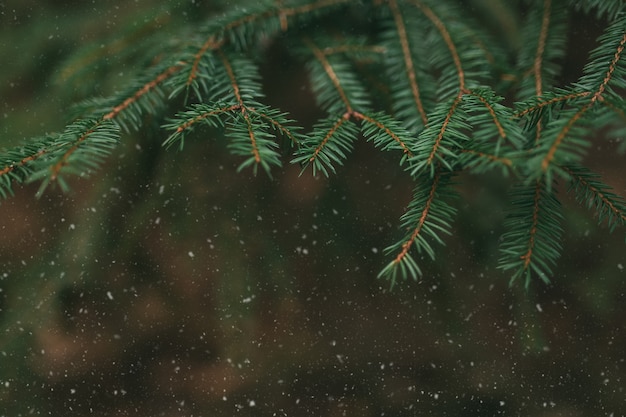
[
  {"x": 406, "y": 246},
  {"x": 386, "y": 129},
  {"x": 532, "y": 234},
  {"x": 611, "y": 70},
  {"x": 445, "y": 34},
  {"x": 408, "y": 60},
  {"x": 442, "y": 130},
  {"x": 560, "y": 137},
  {"x": 330, "y": 72}
]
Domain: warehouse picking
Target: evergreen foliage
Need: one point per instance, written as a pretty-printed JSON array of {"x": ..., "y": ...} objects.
[{"x": 419, "y": 78}]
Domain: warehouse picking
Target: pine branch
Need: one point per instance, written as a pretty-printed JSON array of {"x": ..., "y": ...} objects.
[
  {"x": 450, "y": 45},
  {"x": 243, "y": 29},
  {"x": 491, "y": 120},
  {"x": 545, "y": 33},
  {"x": 597, "y": 76},
  {"x": 327, "y": 145},
  {"x": 565, "y": 139},
  {"x": 18, "y": 162},
  {"x": 404, "y": 46},
  {"x": 79, "y": 150},
  {"x": 531, "y": 244},
  {"x": 127, "y": 109},
  {"x": 548, "y": 106},
  {"x": 186, "y": 121},
  {"x": 428, "y": 216},
  {"x": 386, "y": 133},
  {"x": 610, "y": 8},
  {"x": 442, "y": 140},
  {"x": 196, "y": 76},
  {"x": 594, "y": 194},
  {"x": 335, "y": 84},
  {"x": 563, "y": 142},
  {"x": 420, "y": 78},
  {"x": 252, "y": 130}
]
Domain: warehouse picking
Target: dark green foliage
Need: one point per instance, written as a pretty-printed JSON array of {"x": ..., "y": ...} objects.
[
  {"x": 602, "y": 7},
  {"x": 327, "y": 145},
  {"x": 428, "y": 217},
  {"x": 422, "y": 79},
  {"x": 595, "y": 195},
  {"x": 532, "y": 243}
]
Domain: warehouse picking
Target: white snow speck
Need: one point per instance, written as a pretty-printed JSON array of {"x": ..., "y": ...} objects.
[
  {"x": 161, "y": 189},
  {"x": 190, "y": 253},
  {"x": 620, "y": 267},
  {"x": 539, "y": 309},
  {"x": 109, "y": 295},
  {"x": 251, "y": 403}
]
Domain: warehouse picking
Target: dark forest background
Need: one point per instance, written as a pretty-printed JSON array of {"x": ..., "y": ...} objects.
[{"x": 169, "y": 284}]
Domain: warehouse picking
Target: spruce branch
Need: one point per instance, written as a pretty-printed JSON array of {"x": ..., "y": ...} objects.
[
  {"x": 197, "y": 73},
  {"x": 420, "y": 78},
  {"x": 531, "y": 244},
  {"x": 328, "y": 144},
  {"x": 243, "y": 29},
  {"x": 17, "y": 162},
  {"x": 492, "y": 120},
  {"x": 548, "y": 105},
  {"x": 249, "y": 125},
  {"x": 563, "y": 142},
  {"x": 545, "y": 32},
  {"x": 79, "y": 150},
  {"x": 597, "y": 76},
  {"x": 610, "y": 8},
  {"x": 410, "y": 107},
  {"x": 442, "y": 140},
  {"x": 428, "y": 215},
  {"x": 335, "y": 84},
  {"x": 257, "y": 141},
  {"x": 450, "y": 44},
  {"x": 594, "y": 194},
  {"x": 386, "y": 133},
  {"x": 144, "y": 96}
]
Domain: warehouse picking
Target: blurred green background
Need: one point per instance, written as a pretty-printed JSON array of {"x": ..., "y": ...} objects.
[{"x": 171, "y": 285}]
